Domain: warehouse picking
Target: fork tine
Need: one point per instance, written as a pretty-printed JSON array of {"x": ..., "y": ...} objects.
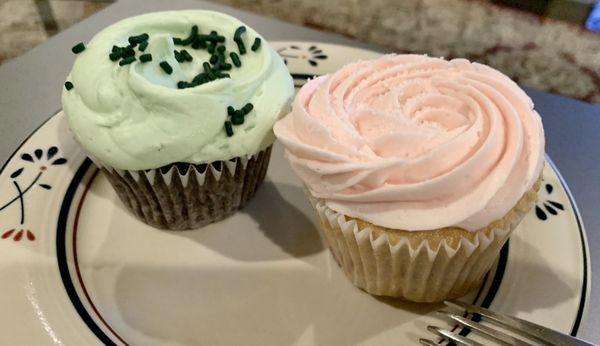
[
  {"x": 522, "y": 327},
  {"x": 448, "y": 335},
  {"x": 487, "y": 331}
]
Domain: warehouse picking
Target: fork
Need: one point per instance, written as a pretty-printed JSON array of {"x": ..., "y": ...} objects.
[{"x": 534, "y": 333}]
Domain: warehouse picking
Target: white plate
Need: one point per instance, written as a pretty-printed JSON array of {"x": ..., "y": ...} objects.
[{"x": 84, "y": 271}]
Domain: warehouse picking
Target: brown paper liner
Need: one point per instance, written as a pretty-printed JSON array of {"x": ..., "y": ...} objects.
[
  {"x": 186, "y": 196},
  {"x": 420, "y": 266}
]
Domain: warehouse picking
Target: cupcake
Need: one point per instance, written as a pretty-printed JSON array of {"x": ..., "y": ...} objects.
[
  {"x": 419, "y": 169},
  {"x": 177, "y": 109}
]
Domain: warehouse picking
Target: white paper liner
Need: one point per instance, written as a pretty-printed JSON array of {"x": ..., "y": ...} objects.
[{"x": 422, "y": 273}]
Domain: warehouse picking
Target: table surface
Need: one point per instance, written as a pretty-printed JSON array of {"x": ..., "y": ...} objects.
[{"x": 30, "y": 88}]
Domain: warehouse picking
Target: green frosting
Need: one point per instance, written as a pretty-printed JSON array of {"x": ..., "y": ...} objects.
[{"x": 135, "y": 117}]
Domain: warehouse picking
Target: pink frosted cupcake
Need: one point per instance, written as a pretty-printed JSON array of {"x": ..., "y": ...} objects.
[{"x": 419, "y": 169}]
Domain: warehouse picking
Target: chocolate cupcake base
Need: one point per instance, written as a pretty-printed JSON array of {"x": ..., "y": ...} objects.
[{"x": 185, "y": 196}]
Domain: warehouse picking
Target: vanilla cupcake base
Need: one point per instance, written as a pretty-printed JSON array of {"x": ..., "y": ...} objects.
[
  {"x": 420, "y": 266},
  {"x": 168, "y": 198}
]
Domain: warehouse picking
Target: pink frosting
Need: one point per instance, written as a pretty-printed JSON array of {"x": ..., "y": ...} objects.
[{"x": 415, "y": 143}]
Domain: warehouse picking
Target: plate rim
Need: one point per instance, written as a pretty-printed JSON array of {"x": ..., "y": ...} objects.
[{"x": 583, "y": 307}]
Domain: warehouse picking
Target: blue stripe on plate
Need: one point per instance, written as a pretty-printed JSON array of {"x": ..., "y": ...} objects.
[{"x": 61, "y": 253}]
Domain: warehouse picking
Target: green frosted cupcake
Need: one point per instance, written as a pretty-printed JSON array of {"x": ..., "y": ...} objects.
[{"x": 177, "y": 109}]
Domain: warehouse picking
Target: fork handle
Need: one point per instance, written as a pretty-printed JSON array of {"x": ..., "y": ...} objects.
[{"x": 568, "y": 340}]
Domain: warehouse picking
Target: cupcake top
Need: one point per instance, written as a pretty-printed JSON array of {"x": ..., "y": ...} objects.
[
  {"x": 185, "y": 86},
  {"x": 415, "y": 143}
]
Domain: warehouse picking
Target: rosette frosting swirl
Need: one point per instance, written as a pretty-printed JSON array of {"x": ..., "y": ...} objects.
[{"x": 415, "y": 143}]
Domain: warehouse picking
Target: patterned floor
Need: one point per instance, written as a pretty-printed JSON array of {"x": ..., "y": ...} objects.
[
  {"x": 22, "y": 27},
  {"x": 541, "y": 53}
]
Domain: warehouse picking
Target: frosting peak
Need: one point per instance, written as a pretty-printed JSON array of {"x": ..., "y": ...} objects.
[
  {"x": 415, "y": 143},
  {"x": 135, "y": 116}
]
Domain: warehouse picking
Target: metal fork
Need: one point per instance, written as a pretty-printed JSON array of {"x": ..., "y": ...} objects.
[{"x": 535, "y": 333}]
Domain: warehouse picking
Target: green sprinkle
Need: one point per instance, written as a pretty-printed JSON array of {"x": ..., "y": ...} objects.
[
  {"x": 142, "y": 47},
  {"x": 256, "y": 44},
  {"x": 220, "y": 60},
  {"x": 134, "y": 40},
  {"x": 237, "y": 37},
  {"x": 200, "y": 79},
  {"x": 146, "y": 57},
  {"x": 202, "y": 37},
  {"x": 178, "y": 56},
  {"x": 228, "y": 129},
  {"x": 114, "y": 56},
  {"x": 166, "y": 67},
  {"x": 221, "y": 49},
  {"x": 225, "y": 67},
  {"x": 211, "y": 48},
  {"x": 68, "y": 85},
  {"x": 177, "y": 41},
  {"x": 239, "y": 31},
  {"x": 198, "y": 44},
  {"x": 204, "y": 80},
  {"x": 120, "y": 52},
  {"x": 241, "y": 46},
  {"x": 235, "y": 59},
  {"x": 186, "y": 56},
  {"x": 247, "y": 108},
  {"x": 191, "y": 37},
  {"x": 237, "y": 119},
  {"x": 213, "y": 59},
  {"x": 215, "y": 37},
  {"x": 230, "y": 110},
  {"x": 78, "y": 48},
  {"x": 222, "y": 75},
  {"x": 127, "y": 51},
  {"x": 206, "y": 67},
  {"x": 209, "y": 71},
  {"x": 183, "y": 84},
  {"x": 212, "y": 37},
  {"x": 127, "y": 60}
]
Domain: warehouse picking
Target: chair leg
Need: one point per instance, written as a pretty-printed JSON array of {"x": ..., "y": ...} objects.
[{"x": 47, "y": 16}]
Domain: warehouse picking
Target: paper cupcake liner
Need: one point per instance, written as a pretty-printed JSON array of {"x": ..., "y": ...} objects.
[
  {"x": 416, "y": 266},
  {"x": 187, "y": 196}
]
